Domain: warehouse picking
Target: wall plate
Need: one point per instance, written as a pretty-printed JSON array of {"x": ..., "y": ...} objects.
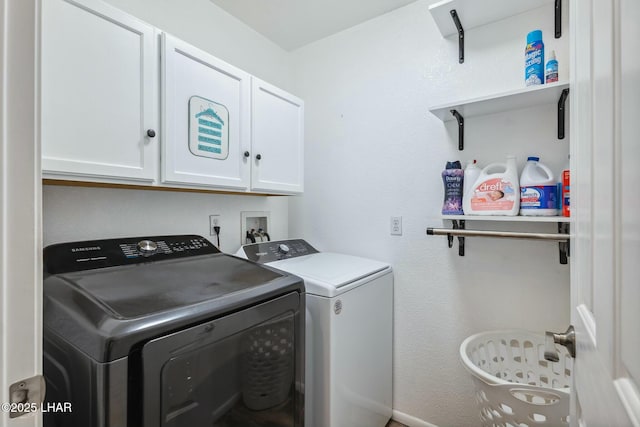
[{"x": 255, "y": 221}]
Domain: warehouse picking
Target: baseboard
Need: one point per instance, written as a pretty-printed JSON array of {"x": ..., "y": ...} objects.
[{"x": 410, "y": 421}]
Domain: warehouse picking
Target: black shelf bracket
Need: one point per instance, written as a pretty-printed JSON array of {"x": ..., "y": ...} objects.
[
  {"x": 456, "y": 21},
  {"x": 558, "y": 18},
  {"x": 561, "y": 112},
  {"x": 564, "y": 247},
  {"x": 456, "y": 226},
  {"x": 460, "y": 120}
]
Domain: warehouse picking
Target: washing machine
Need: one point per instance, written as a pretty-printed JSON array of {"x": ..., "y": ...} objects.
[{"x": 349, "y": 332}]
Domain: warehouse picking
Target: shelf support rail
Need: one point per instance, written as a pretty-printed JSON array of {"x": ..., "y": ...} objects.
[
  {"x": 562, "y": 237},
  {"x": 561, "y": 112},
  {"x": 456, "y": 226},
  {"x": 460, "y": 120},
  {"x": 558, "y": 18},
  {"x": 456, "y": 22},
  {"x": 564, "y": 246}
]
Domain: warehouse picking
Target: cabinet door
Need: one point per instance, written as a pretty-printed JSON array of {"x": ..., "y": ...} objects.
[
  {"x": 99, "y": 93},
  {"x": 277, "y": 135},
  {"x": 205, "y": 117}
]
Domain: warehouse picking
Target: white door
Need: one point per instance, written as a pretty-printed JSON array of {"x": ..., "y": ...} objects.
[
  {"x": 99, "y": 93},
  {"x": 277, "y": 140},
  {"x": 205, "y": 117},
  {"x": 605, "y": 276},
  {"x": 20, "y": 206}
]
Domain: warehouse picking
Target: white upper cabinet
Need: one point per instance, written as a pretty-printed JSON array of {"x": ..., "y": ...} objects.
[
  {"x": 277, "y": 140},
  {"x": 220, "y": 128},
  {"x": 99, "y": 93},
  {"x": 205, "y": 119}
]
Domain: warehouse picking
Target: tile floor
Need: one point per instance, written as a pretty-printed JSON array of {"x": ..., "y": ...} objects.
[{"x": 395, "y": 424}]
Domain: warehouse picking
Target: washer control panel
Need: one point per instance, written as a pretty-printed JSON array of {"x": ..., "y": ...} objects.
[
  {"x": 275, "y": 251},
  {"x": 87, "y": 255}
]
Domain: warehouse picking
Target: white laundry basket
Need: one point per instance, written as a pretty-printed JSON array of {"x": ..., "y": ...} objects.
[{"x": 515, "y": 385}]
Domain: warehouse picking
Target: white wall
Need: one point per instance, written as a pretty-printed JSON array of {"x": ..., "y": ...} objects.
[
  {"x": 373, "y": 150},
  {"x": 71, "y": 213},
  {"x": 209, "y": 27},
  {"x": 78, "y": 213}
]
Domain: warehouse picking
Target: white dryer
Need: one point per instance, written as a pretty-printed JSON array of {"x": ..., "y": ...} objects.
[{"x": 349, "y": 332}]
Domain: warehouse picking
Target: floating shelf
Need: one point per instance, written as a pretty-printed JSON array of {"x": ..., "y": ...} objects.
[
  {"x": 505, "y": 101},
  {"x": 553, "y": 219},
  {"x": 475, "y": 13}
]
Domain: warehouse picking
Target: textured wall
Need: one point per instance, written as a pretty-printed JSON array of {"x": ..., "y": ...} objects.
[
  {"x": 373, "y": 150},
  {"x": 75, "y": 213},
  {"x": 208, "y": 27}
]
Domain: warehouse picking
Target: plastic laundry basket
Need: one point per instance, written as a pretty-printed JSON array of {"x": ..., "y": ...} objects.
[{"x": 515, "y": 386}]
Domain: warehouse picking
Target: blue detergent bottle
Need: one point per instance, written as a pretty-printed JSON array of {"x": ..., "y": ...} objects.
[{"x": 534, "y": 59}]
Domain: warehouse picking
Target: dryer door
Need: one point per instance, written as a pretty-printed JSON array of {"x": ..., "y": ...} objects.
[{"x": 241, "y": 370}]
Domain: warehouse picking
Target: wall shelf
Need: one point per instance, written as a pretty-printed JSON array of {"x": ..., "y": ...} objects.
[
  {"x": 459, "y": 230},
  {"x": 506, "y": 101},
  {"x": 474, "y": 13},
  {"x": 552, "y": 219}
]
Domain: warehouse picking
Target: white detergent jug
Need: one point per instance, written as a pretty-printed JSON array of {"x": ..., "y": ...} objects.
[
  {"x": 538, "y": 190},
  {"x": 471, "y": 174},
  {"x": 496, "y": 191}
]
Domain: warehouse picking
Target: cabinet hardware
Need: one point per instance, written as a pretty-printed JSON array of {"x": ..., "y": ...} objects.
[
  {"x": 246, "y": 154},
  {"x": 460, "y": 120},
  {"x": 561, "y": 112},
  {"x": 151, "y": 133},
  {"x": 456, "y": 21},
  {"x": 258, "y": 156}
]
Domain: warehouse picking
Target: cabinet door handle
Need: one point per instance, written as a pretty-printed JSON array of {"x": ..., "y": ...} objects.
[
  {"x": 258, "y": 156},
  {"x": 151, "y": 133},
  {"x": 246, "y": 154}
]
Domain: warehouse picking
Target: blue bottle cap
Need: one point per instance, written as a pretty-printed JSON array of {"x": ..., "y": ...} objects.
[
  {"x": 534, "y": 36},
  {"x": 535, "y": 159}
]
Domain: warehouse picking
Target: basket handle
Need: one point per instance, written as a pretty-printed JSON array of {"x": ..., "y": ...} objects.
[{"x": 532, "y": 395}]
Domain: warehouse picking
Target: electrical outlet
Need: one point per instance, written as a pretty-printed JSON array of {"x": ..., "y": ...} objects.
[
  {"x": 396, "y": 226},
  {"x": 214, "y": 221}
]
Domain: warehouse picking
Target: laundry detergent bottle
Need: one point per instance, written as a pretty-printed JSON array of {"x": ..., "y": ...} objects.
[
  {"x": 471, "y": 174},
  {"x": 565, "y": 190},
  {"x": 496, "y": 191},
  {"x": 452, "y": 178},
  {"x": 538, "y": 190}
]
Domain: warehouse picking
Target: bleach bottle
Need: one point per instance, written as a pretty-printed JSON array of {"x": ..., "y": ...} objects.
[
  {"x": 538, "y": 190},
  {"x": 496, "y": 191}
]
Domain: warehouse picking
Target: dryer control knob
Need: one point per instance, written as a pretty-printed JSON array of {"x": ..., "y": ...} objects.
[
  {"x": 283, "y": 248},
  {"x": 147, "y": 247}
]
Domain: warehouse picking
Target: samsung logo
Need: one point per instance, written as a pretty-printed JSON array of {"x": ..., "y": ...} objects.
[{"x": 86, "y": 249}]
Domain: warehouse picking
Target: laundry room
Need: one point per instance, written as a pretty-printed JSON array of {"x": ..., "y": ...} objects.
[{"x": 259, "y": 194}]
